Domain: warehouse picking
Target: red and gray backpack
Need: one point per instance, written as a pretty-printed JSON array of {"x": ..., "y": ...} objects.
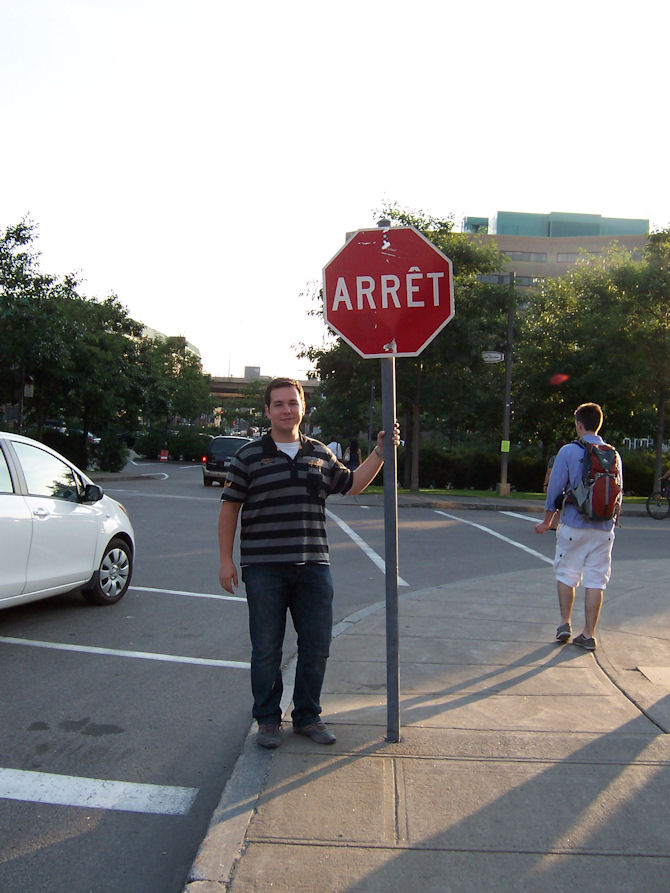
[{"x": 598, "y": 495}]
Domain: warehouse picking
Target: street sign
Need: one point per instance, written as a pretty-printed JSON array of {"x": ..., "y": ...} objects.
[{"x": 388, "y": 292}]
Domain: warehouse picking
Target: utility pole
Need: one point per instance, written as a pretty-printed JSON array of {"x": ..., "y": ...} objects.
[{"x": 503, "y": 488}]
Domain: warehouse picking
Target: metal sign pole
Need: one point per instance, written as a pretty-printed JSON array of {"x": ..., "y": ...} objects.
[
  {"x": 391, "y": 551},
  {"x": 364, "y": 268}
]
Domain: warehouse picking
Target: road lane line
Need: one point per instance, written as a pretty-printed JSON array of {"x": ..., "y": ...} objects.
[
  {"x": 95, "y": 793},
  {"x": 531, "y": 518},
  {"x": 225, "y": 598},
  {"x": 367, "y": 550},
  {"x": 144, "y": 495},
  {"x": 139, "y": 655},
  {"x": 498, "y": 536}
]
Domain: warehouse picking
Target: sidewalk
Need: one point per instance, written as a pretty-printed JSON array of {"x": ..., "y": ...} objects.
[{"x": 523, "y": 766}]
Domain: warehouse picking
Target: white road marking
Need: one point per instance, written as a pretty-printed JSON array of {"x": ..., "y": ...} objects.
[
  {"x": 367, "y": 550},
  {"x": 95, "y": 793},
  {"x": 156, "y": 475},
  {"x": 140, "y": 655},
  {"x": 155, "y": 495},
  {"x": 497, "y": 535},
  {"x": 531, "y": 518},
  {"x": 225, "y": 598}
]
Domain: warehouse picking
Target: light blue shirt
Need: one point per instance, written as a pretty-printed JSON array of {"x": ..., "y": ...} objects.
[{"x": 565, "y": 475}]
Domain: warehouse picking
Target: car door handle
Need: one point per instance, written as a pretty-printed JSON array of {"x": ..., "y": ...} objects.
[{"x": 41, "y": 513}]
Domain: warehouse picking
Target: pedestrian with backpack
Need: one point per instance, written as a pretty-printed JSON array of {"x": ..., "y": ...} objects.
[
  {"x": 589, "y": 474},
  {"x": 352, "y": 455}
]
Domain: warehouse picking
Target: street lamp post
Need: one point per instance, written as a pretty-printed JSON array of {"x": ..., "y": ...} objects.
[{"x": 503, "y": 487}]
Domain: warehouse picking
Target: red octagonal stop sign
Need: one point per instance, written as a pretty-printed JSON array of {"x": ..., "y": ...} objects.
[{"x": 388, "y": 292}]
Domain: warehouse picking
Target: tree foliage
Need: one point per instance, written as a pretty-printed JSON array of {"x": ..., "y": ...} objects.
[
  {"x": 606, "y": 326},
  {"x": 441, "y": 384},
  {"x": 87, "y": 359}
]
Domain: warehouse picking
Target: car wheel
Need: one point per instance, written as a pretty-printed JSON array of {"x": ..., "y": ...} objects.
[
  {"x": 112, "y": 579},
  {"x": 207, "y": 481}
]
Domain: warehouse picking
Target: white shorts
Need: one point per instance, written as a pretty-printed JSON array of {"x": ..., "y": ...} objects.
[{"x": 583, "y": 555}]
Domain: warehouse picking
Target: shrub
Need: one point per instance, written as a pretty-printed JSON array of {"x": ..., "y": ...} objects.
[
  {"x": 463, "y": 467},
  {"x": 111, "y": 454},
  {"x": 638, "y": 472},
  {"x": 150, "y": 443},
  {"x": 526, "y": 471},
  {"x": 476, "y": 467},
  {"x": 186, "y": 444}
]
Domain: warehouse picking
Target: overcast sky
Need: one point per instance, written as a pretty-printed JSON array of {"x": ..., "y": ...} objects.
[{"x": 203, "y": 160}]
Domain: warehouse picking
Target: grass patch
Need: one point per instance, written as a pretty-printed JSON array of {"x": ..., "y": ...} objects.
[{"x": 490, "y": 494}]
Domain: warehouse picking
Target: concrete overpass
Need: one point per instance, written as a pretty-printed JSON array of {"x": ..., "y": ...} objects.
[{"x": 225, "y": 387}]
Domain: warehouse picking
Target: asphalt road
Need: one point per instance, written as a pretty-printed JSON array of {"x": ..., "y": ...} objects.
[{"x": 135, "y": 714}]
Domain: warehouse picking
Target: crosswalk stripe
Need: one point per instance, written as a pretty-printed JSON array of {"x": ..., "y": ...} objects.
[
  {"x": 225, "y": 598},
  {"x": 95, "y": 793},
  {"x": 140, "y": 655},
  {"x": 363, "y": 546}
]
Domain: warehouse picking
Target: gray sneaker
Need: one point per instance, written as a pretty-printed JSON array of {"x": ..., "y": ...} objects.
[
  {"x": 588, "y": 644},
  {"x": 317, "y": 731},
  {"x": 563, "y": 633},
  {"x": 268, "y": 734}
]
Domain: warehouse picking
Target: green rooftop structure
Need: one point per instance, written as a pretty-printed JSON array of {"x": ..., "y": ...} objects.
[{"x": 555, "y": 225}]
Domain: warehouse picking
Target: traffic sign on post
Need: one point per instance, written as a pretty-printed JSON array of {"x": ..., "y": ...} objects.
[{"x": 388, "y": 292}]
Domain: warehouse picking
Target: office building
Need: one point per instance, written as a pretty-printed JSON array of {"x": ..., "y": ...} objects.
[{"x": 548, "y": 245}]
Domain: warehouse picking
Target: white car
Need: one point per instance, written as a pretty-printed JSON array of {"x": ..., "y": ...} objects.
[{"x": 58, "y": 531}]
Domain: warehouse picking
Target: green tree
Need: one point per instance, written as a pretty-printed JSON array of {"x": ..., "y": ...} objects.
[
  {"x": 442, "y": 384},
  {"x": 646, "y": 289},
  {"x": 605, "y": 326},
  {"x": 174, "y": 385},
  {"x": 32, "y": 332},
  {"x": 99, "y": 375},
  {"x": 87, "y": 358}
]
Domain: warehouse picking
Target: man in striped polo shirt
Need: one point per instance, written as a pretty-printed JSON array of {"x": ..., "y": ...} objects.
[{"x": 280, "y": 484}]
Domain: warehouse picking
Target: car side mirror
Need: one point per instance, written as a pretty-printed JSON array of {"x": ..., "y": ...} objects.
[{"x": 92, "y": 493}]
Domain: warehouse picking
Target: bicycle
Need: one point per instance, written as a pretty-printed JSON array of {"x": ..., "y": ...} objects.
[{"x": 658, "y": 503}]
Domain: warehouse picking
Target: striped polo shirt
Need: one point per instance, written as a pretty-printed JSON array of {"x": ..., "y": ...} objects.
[{"x": 283, "y": 516}]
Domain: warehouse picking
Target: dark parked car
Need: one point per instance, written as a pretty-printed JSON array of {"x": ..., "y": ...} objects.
[{"x": 218, "y": 455}]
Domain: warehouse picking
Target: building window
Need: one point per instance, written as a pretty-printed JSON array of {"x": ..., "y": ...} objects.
[
  {"x": 493, "y": 278},
  {"x": 540, "y": 256},
  {"x": 567, "y": 257},
  {"x": 503, "y": 279}
]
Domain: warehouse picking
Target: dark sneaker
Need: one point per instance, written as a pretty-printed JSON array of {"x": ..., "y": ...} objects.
[
  {"x": 268, "y": 734},
  {"x": 582, "y": 642},
  {"x": 563, "y": 633},
  {"x": 317, "y": 731}
]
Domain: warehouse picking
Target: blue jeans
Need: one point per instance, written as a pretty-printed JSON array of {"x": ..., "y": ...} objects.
[{"x": 306, "y": 590}]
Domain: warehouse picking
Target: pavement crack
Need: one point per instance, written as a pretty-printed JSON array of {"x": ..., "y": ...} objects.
[
  {"x": 628, "y": 695},
  {"x": 400, "y": 802}
]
